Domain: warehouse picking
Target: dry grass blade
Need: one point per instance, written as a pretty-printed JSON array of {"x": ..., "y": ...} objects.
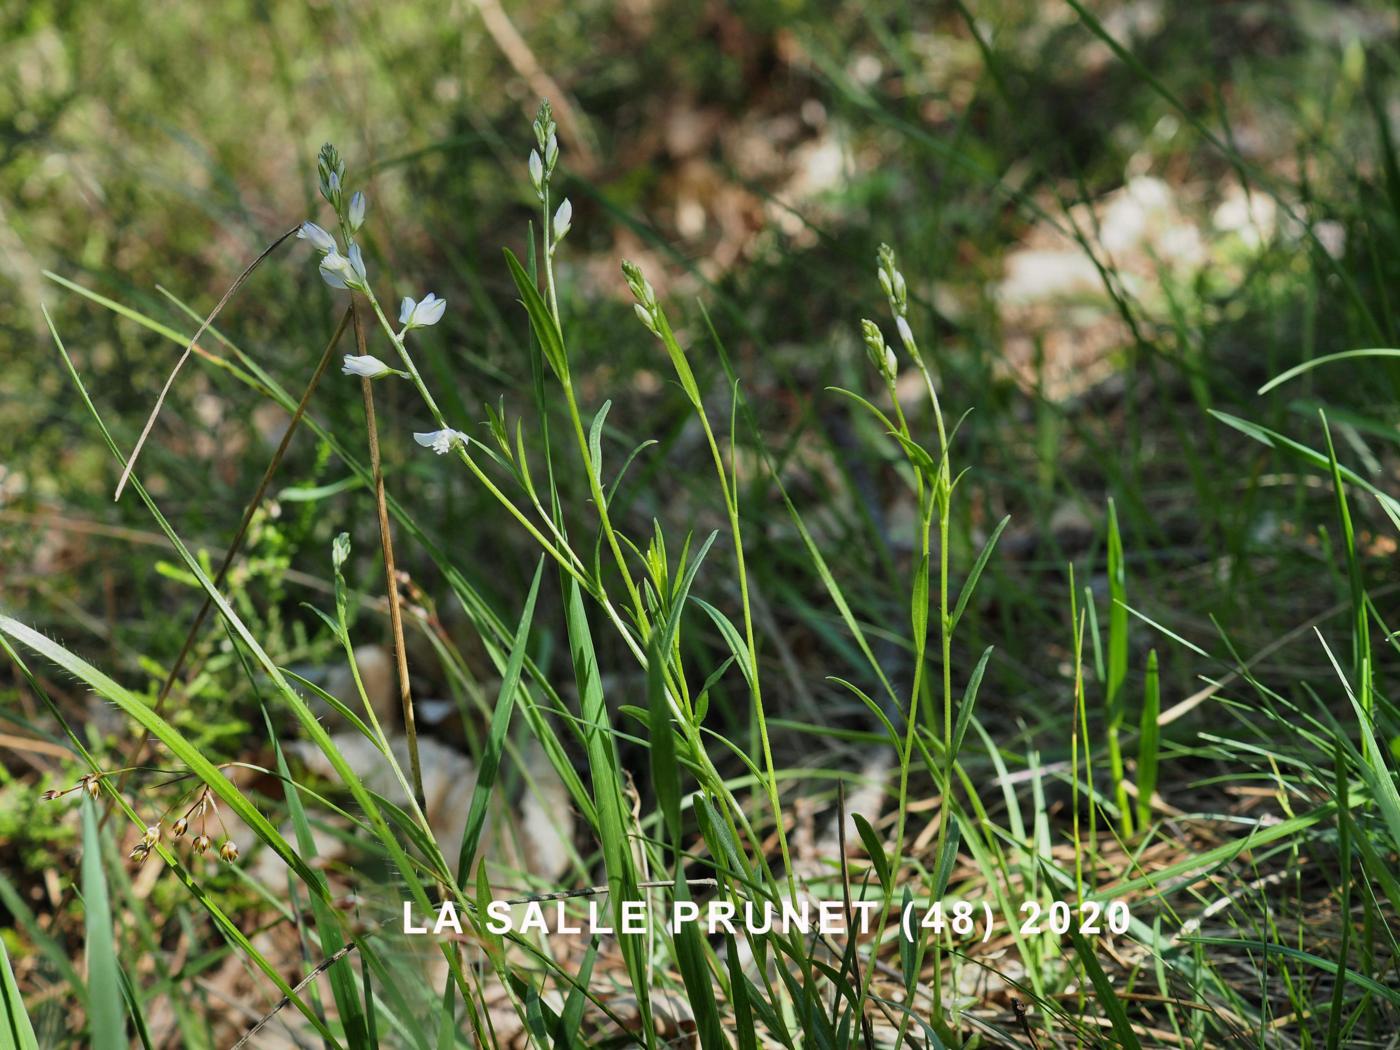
[{"x": 170, "y": 379}]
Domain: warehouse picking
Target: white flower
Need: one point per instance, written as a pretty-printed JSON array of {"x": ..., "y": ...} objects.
[
  {"x": 427, "y": 311},
  {"x": 319, "y": 238},
  {"x": 356, "y": 212},
  {"x": 441, "y": 441},
  {"x": 337, "y": 271},
  {"x": 367, "y": 367},
  {"x": 563, "y": 219}
]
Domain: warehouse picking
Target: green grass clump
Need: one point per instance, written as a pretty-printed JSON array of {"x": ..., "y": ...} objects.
[{"x": 754, "y": 598}]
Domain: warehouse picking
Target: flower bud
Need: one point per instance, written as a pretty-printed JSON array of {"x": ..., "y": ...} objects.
[
  {"x": 906, "y": 334},
  {"x": 644, "y": 315},
  {"x": 366, "y": 367},
  {"x": 319, "y": 238},
  {"x": 537, "y": 172},
  {"x": 881, "y": 356},
  {"x": 355, "y": 214},
  {"x": 331, "y": 171},
  {"x": 563, "y": 220},
  {"x": 340, "y": 550}
]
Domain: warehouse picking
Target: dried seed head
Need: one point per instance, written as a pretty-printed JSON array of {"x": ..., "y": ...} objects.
[
  {"x": 179, "y": 828},
  {"x": 200, "y": 844},
  {"x": 51, "y": 794},
  {"x": 228, "y": 851}
]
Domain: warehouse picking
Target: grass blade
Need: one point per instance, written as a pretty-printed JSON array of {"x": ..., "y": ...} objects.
[{"x": 106, "y": 1017}]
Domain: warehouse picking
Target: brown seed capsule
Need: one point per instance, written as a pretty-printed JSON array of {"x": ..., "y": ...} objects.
[
  {"x": 140, "y": 852},
  {"x": 200, "y": 843},
  {"x": 179, "y": 828},
  {"x": 151, "y": 836},
  {"x": 228, "y": 851},
  {"x": 90, "y": 785},
  {"x": 50, "y": 795}
]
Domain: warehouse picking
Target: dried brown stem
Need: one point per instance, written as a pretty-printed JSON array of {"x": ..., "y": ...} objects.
[
  {"x": 237, "y": 544},
  {"x": 391, "y": 573}
]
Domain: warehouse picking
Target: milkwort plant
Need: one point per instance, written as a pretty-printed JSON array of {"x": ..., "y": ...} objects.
[{"x": 912, "y": 983}]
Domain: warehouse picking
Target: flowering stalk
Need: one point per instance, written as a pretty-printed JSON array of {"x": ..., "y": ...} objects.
[
  {"x": 542, "y": 163},
  {"x": 934, "y": 502}
]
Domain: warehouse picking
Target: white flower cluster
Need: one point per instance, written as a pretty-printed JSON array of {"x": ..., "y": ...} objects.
[{"x": 346, "y": 269}]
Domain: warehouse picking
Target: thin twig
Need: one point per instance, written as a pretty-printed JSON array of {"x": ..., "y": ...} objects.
[
  {"x": 239, "y": 537},
  {"x": 286, "y": 1000},
  {"x": 151, "y": 419},
  {"x": 386, "y": 542}
]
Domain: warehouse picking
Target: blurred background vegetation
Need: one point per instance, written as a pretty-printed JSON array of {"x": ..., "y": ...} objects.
[{"x": 1114, "y": 217}]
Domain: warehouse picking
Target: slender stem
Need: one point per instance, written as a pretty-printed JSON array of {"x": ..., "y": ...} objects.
[
  {"x": 594, "y": 483},
  {"x": 236, "y": 544},
  {"x": 731, "y": 506},
  {"x": 391, "y": 574}
]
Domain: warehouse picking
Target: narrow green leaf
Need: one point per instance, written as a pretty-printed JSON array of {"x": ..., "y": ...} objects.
[
  {"x": 874, "y": 849},
  {"x": 695, "y": 973},
  {"x": 595, "y": 441},
  {"x": 496, "y": 735},
  {"x": 1104, "y": 993},
  {"x": 965, "y": 595},
  {"x": 541, "y": 320},
  {"x": 1325, "y": 359},
  {"x": 106, "y": 1019},
  {"x": 1149, "y": 740},
  {"x": 974, "y": 684},
  {"x": 17, "y": 1033}
]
